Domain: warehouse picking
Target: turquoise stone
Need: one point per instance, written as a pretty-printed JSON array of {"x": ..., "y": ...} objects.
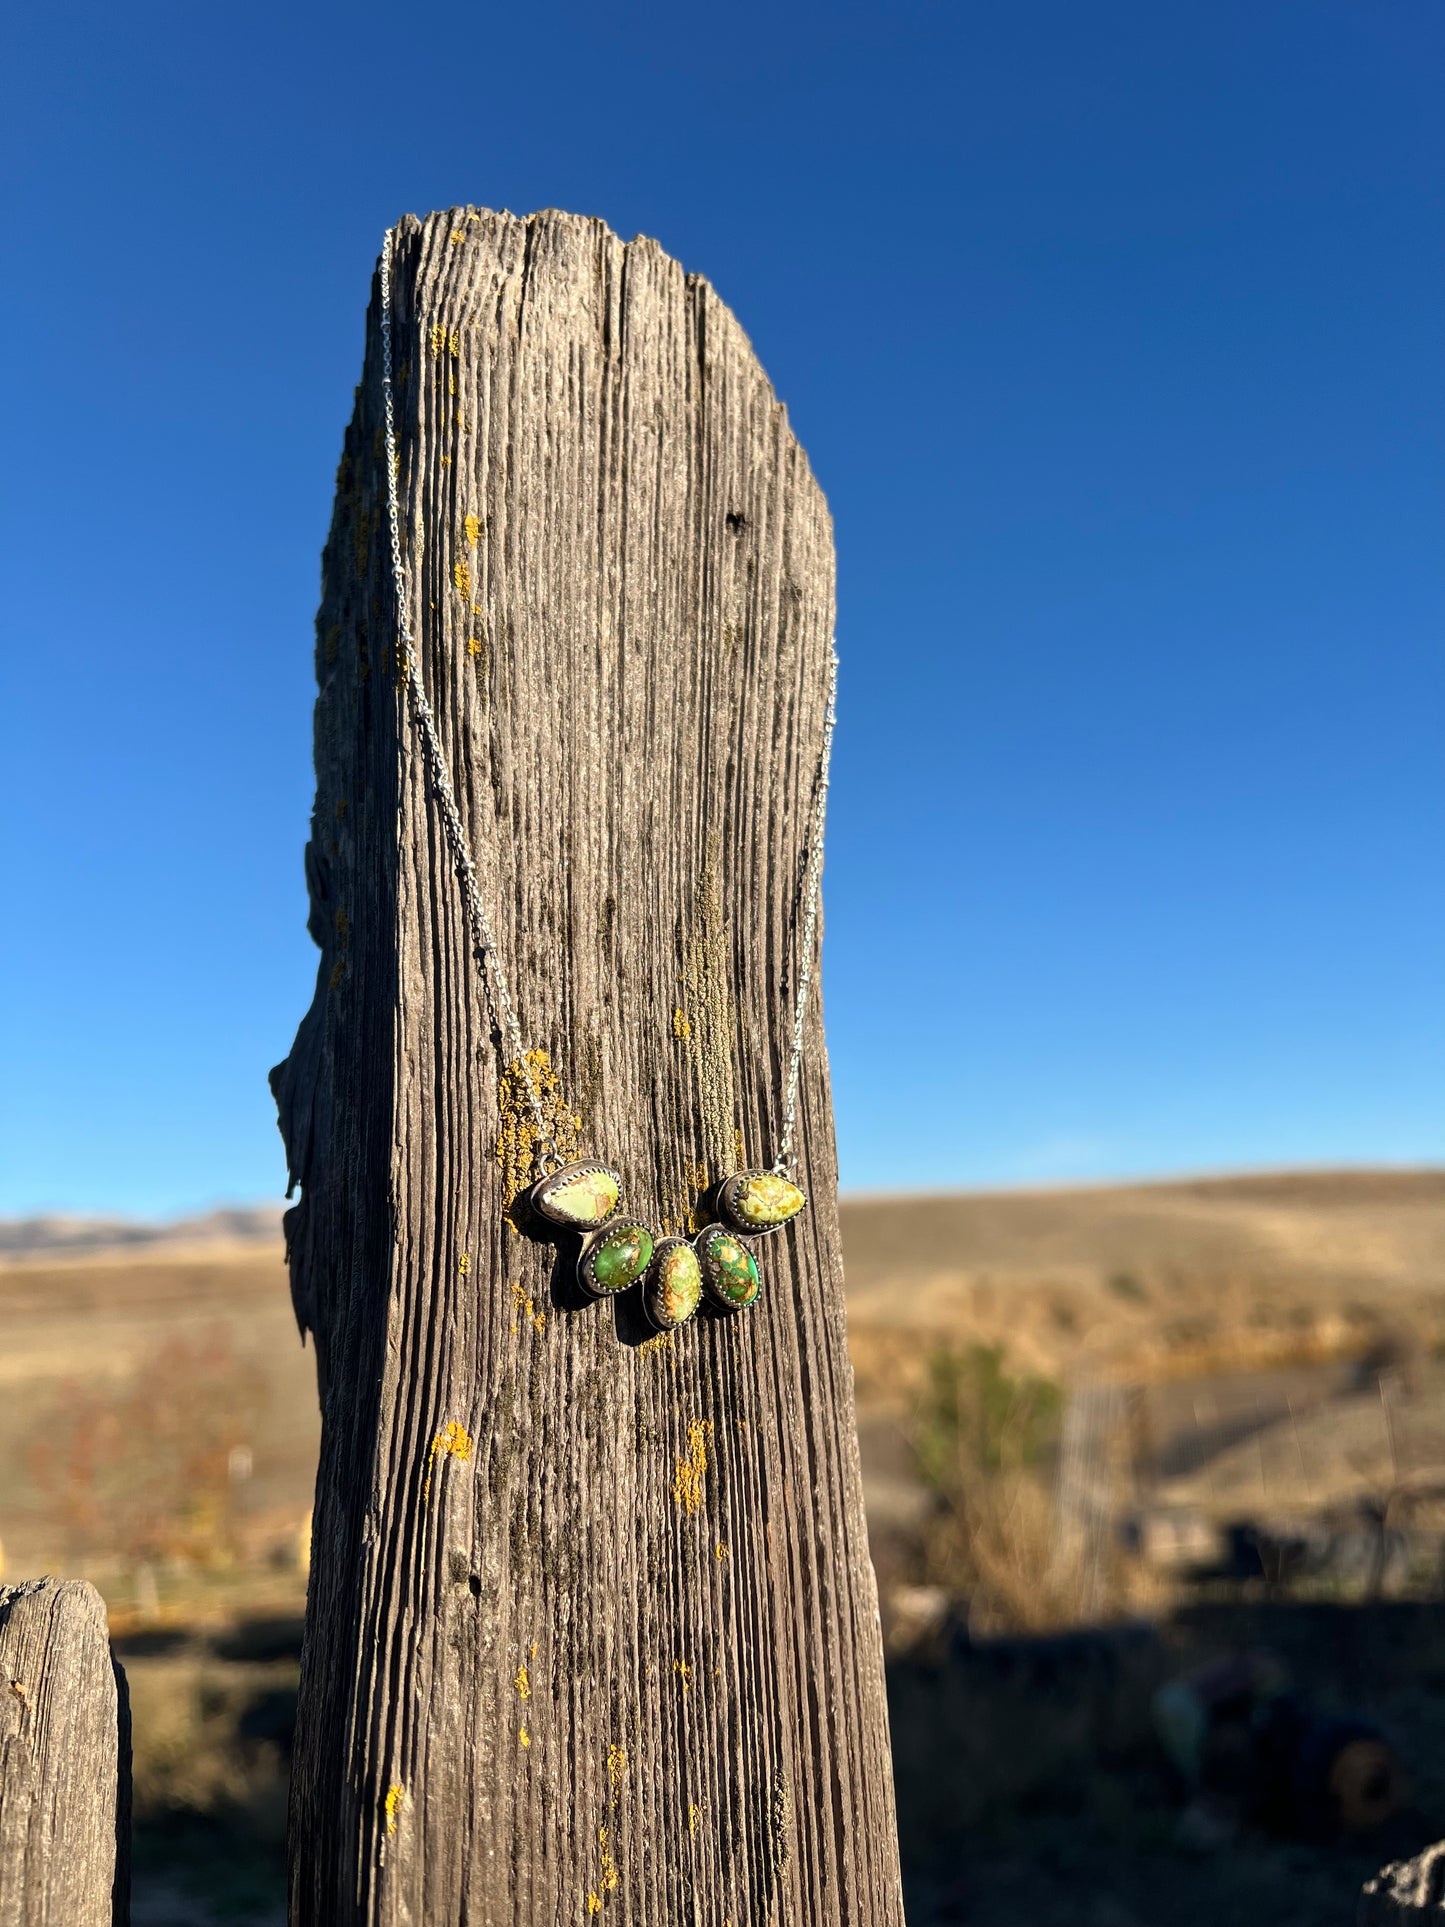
[
  {"x": 761, "y": 1200},
  {"x": 674, "y": 1285},
  {"x": 618, "y": 1258},
  {"x": 581, "y": 1195},
  {"x": 729, "y": 1269}
]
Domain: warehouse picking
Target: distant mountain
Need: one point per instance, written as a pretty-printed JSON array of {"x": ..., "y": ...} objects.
[{"x": 47, "y": 1236}]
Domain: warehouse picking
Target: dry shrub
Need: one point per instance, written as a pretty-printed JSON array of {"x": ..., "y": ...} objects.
[
  {"x": 143, "y": 1469},
  {"x": 984, "y": 1442}
]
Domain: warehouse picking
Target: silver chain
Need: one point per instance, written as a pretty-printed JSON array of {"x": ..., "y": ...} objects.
[
  {"x": 484, "y": 944},
  {"x": 812, "y": 883}
]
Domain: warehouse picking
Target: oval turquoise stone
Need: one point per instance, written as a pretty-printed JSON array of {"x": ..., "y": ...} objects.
[
  {"x": 674, "y": 1285},
  {"x": 731, "y": 1269},
  {"x": 619, "y": 1257},
  {"x": 761, "y": 1200}
]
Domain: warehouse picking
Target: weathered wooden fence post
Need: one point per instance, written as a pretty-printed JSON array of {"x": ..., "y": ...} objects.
[
  {"x": 64, "y": 1761},
  {"x": 592, "y": 1626}
]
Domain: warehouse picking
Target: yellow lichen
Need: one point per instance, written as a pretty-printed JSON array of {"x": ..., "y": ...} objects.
[
  {"x": 594, "y": 1904},
  {"x": 524, "y": 1736},
  {"x": 394, "y": 1797},
  {"x": 526, "y": 1309},
  {"x": 473, "y": 528},
  {"x": 684, "y": 1673},
  {"x": 458, "y": 235},
  {"x": 694, "y": 1816},
  {"x": 464, "y": 1263},
  {"x": 522, "y": 1683},
  {"x": 462, "y": 576},
  {"x": 453, "y": 1441},
  {"x": 689, "y": 1473},
  {"x": 680, "y": 1025},
  {"x": 516, "y": 1146},
  {"x": 338, "y": 971},
  {"x": 343, "y": 924},
  {"x": 616, "y": 1770},
  {"x": 661, "y": 1342},
  {"x": 720, "y": 1551},
  {"x": 609, "y": 1882}
]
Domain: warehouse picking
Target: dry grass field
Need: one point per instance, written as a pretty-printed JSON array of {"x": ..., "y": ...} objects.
[{"x": 1259, "y": 1348}]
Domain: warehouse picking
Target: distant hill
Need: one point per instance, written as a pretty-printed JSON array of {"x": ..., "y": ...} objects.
[
  {"x": 58, "y": 1237},
  {"x": 1152, "y": 1282}
]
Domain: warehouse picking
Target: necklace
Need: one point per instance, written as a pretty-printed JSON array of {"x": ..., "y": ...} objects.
[{"x": 617, "y": 1250}]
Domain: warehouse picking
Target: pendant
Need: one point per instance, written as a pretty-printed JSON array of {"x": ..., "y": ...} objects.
[
  {"x": 756, "y": 1202},
  {"x": 729, "y": 1270},
  {"x": 615, "y": 1257},
  {"x": 673, "y": 1286},
  {"x": 580, "y": 1196}
]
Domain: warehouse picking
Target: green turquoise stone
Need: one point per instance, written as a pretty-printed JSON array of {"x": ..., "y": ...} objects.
[
  {"x": 674, "y": 1285},
  {"x": 619, "y": 1257},
  {"x": 731, "y": 1269},
  {"x": 581, "y": 1198},
  {"x": 761, "y": 1200}
]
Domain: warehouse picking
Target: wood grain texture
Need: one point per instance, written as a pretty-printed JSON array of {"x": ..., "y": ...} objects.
[
  {"x": 592, "y": 1630},
  {"x": 64, "y": 1761}
]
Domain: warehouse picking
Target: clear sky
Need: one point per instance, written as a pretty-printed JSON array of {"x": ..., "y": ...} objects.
[{"x": 1112, "y": 333}]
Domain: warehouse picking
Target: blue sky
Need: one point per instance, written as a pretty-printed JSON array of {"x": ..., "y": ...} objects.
[{"x": 1112, "y": 334}]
